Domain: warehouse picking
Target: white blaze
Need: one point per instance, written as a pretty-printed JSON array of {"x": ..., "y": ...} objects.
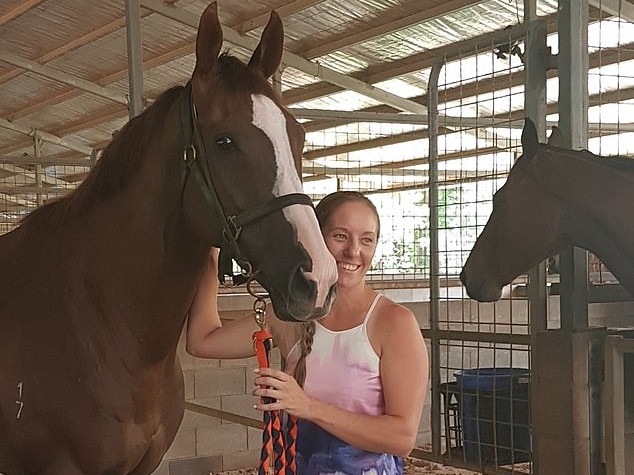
[{"x": 268, "y": 117}]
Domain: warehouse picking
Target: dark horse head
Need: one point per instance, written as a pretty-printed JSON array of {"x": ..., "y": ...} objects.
[
  {"x": 522, "y": 229},
  {"x": 249, "y": 201},
  {"x": 554, "y": 198}
]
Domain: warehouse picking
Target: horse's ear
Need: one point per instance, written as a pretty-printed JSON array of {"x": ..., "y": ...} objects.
[
  {"x": 268, "y": 54},
  {"x": 529, "y": 139},
  {"x": 209, "y": 39},
  {"x": 555, "y": 138}
]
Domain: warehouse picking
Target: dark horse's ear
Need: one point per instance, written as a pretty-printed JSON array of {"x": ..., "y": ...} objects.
[
  {"x": 268, "y": 54},
  {"x": 555, "y": 138},
  {"x": 209, "y": 40},
  {"x": 529, "y": 139}
]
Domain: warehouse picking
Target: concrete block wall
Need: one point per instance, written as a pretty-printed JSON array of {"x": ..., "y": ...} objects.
[{"x": 206, "y": 444}]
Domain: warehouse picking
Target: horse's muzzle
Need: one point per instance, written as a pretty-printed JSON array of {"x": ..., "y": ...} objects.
[
  {"x": 479, "y": 288},
  {"x": 303, "y": 296}
]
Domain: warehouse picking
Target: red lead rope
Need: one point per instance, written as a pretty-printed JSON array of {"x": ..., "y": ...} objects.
[{"x": 280, "y": 429}]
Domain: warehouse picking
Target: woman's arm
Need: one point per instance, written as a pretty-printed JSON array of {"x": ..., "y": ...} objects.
[
  {"x": 206, "y": 336},
  {"x": 404, "y": 373}
]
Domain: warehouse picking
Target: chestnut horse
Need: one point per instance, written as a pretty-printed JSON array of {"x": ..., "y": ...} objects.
[
  {"x": 95, "y": 287},
  {"x": 554, "y": 197}
]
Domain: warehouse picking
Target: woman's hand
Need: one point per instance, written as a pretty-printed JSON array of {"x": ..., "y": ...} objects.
[{"x": 283, "y": 388}]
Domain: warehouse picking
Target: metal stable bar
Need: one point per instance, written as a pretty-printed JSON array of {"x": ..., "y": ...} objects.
[
  {"x": 537, "y": 59},
  {"x": 37, "y": 151},
  {"x": 462, "y": 122},
  {"x": 573, "y": 123},
  {"x": 135, "y": 56},
  {"x": 434, "y": 262}
]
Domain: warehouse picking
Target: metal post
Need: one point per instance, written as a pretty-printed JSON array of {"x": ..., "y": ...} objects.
[
  {"x": 37, "y": 153},
  {"x": 536, "y": 63},
  {"x": 573, "y": 123},
  {"x": 434, "y": 264},
  {"x": 135, "y": 56},
  {"x": 536, "y": 59},
  {"x": 573, "y": 432}
]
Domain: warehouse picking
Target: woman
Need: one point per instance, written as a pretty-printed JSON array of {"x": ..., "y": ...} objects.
[{"x": 359, "y": 374}]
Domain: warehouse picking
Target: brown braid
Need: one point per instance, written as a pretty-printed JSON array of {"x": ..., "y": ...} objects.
[{"x": 305, "y": 345}]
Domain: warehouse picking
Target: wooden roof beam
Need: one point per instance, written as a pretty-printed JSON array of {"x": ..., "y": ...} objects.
[
  {"x": 18, "y": 10},
  {"x": 63, "y": 77},
  {"x": 286, "y": 9},
  {"x": 47, "y": 137}
]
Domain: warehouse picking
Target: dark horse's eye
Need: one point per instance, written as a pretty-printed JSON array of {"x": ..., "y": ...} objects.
[{"x": 225, "y": 143}]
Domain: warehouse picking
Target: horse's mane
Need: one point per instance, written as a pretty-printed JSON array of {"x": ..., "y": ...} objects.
[
  {"x": 120, "y": 160},
  {"x": 124, "y": 156},
  {"x": 616, "y": 162}
]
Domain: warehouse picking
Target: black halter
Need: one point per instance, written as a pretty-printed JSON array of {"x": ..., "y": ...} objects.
[{"x": 231, "y": 224}]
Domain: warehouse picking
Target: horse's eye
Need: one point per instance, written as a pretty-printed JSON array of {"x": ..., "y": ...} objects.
[{"x": 225, "y": 143}]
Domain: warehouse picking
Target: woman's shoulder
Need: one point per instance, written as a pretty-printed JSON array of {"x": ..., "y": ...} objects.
[
  {"x": 387, "y": 310},
  {"x": 391, "y": 320}
]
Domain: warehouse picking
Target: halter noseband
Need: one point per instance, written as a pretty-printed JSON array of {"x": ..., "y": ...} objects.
[{"x": 231, "y": 224}]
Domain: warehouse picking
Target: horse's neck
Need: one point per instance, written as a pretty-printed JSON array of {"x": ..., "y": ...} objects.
[
  {"x": 584, "y": 180},
  {"x": 140, "y": 236},
  {"x": 598, "y": 217},
  {"x": 613, "y": 248},
  {"x": 585, "y": 184},
  {"x": 165, "y": 267}
]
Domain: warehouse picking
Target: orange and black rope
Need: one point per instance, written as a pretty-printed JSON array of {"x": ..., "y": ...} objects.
[{"x": 279, "y": 437}]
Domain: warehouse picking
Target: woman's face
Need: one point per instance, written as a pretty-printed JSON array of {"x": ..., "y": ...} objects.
[{"x": 351, "y": 237}]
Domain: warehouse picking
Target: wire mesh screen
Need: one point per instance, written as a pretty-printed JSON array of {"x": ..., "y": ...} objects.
[
  {"x": 483, "y": 350},
  {"x": 383, "y": 160},
  {"x": 29, "y": 181}
]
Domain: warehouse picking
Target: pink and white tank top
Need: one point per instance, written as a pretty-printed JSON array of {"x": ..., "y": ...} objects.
[{"x": 343, "y": 368}]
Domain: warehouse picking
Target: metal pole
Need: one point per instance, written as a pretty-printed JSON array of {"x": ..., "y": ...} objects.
[
  {"x": 37, "y": 153},
  {"x": 584, "y": 422},
  {"x": 536, "y": 63},
  {"x": 135, "y": 56},
  {"x": 434, "y": 264},
  {"x": 573, "y": 123},
  {"x": 536, "y": 57}
]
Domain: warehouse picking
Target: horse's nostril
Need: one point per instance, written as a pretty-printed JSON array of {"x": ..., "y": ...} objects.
[{"x": 299, "y": 284}]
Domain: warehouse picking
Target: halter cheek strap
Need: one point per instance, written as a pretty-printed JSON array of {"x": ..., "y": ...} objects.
[{"x": 231, "y": 224}]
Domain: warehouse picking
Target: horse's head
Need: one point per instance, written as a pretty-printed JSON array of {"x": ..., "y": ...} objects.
[
  {"x": 524, "y": 226},
  {"x": 249, "y": 151}
]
